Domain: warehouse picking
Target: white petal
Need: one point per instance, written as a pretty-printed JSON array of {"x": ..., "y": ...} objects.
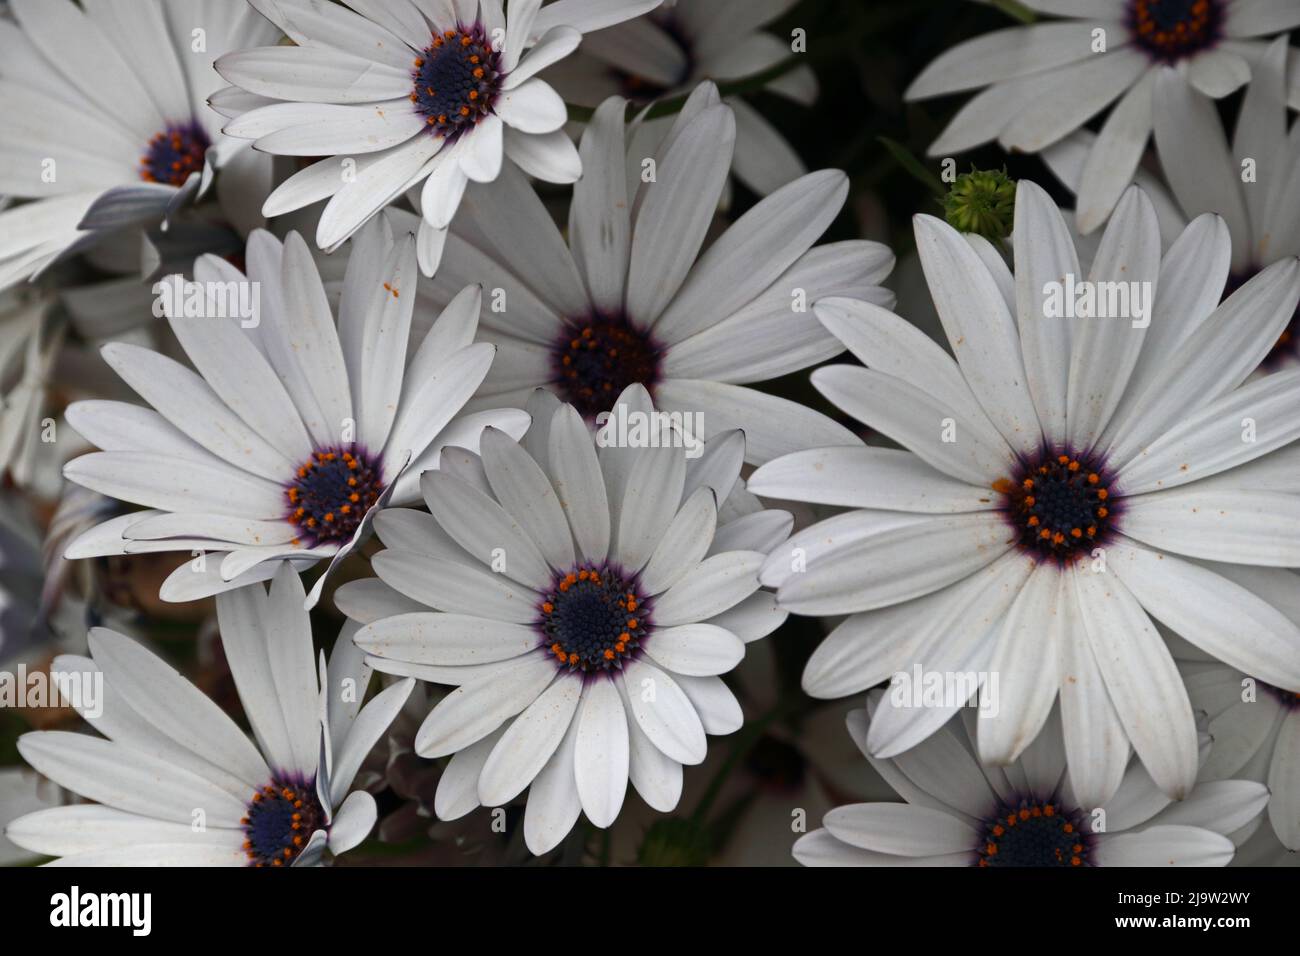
[
  {"x": 482, "y": 527},
  {"x": 773, "y": 426},
  {"x": 716, "y": 584},
  {"x": 673, "y": 213},
  {"x": 1142, "y": 680},
  {"x": 474, "y": 710},
  {"x": 531, "y": 107},
  {"x": 528, "y": 744},
  {"x": 762, "y": 244},
  {"x": 365, "y": 730},
  {"x": 683, "y": 545},
  {"x": 286, "y": 629},
  {"x": 1103, "y": 356},
  {"x": 601, "y": 752},
  {"x": 579, "y": 484},
  {"x": 553, "y": 802},
  {"x": 174, "y": 484},
  {"x": 1164, "y": 846},
  {"x": 1026, "y": 659},
  {"x": 456, "y": 587},
  {"x": 550, "y": 157},
  {"x": 696, "y": 650},
  {"x": 127, "y": 779},
  {"x": 524, "y": 491},
  {"x": 904, "y": 559},
  {"x": 448, "y": 640},
  {"x": 1247, "y": 527},
  {"x": 900, "y": 829},
  {"x": 162, "y": 697},
  {"x": 353, "y": 822},
  {"x": 1220, "y": 616},
  {"x": 883, "y": 478},
  {"x": 313, "y": 75},
  {"x": 1067, "y": 98},
  {"x": 912, "y": 417},
  {"x": 664, "y": 712},
  {"x": 600, "y": 229}
]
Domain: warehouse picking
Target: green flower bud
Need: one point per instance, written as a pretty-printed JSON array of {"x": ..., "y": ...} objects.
[{"x": 982, "y": 202}]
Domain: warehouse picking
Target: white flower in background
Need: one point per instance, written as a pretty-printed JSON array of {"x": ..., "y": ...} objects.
[
  {"x": 30, "y": 338},
  {"x": 1062, "y": 481},
  {"x": 1254, "y": 183},
  {"x": 1255, "y": 726},
  {"x": 634, "y": 297},
  {"x": 292, "y": 429},
  {"x": 1027, "y": 813},
  {"x": 21, "y": 577},
  {"x": 22, "y": 791},
  {"x": 1043, "y": 81},
  {"x": 682, "y": 43},
  {"x": 121, "y": 141},
  {"x": 583, "y": 600},
  {"x": 174, "y": 780},
  {"x": 403, "y": 93}
]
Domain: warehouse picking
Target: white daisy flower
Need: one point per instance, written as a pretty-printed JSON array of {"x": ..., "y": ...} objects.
[
  {"x": 1042, "y": 81},
  {"x": 1027, "y": 813},
  {"x": 21, "y": 578},
  {"x": 291, "y": 431},
  {"x": 31, "y": 334},
  {"x": 634, "y": 297},
  {"x": 1206, "y": 174},
  {"x": 126, "y": 142},
  {"x": 403, "y": 93},
  {"x": 682, "y": 43},
  {"x": 174, "y": 780},
  {"x": 22, "y": 791},
  {"x": 1255, "y": 726},
  {"x": 1062, "y": 481},
  {"x": 583, "y": 600}
]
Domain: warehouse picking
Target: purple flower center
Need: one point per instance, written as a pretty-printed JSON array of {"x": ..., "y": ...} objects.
[
  {"x": 457, "y": 80},
  {"x": 174, "y": 153},
  {"x": 1171, "y": 30},
  {"x": 1060, "y": 505},
  {"x": 1034, "y": 833},
  {"x": 594, "y": 361},
  {"x": 593, "y": 619},
  {"x": 281, "y": 819},
  {"x": 331, "y": 493}
]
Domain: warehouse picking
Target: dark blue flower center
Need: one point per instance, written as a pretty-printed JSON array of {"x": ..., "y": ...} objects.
[
  {"x": 1170, "y": 30},
  {"x": 593, "y": 620},
  {"x": 1034, "y": 834},
  {"x": 595, "y": 360},
  {"x": 332, "y": 492},
  {"x": 174, "y": 153},
  {"x": 1059, "y": 504},
  {"x": 281, "y": 819},
  {"x": 457, "y": 80}
]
